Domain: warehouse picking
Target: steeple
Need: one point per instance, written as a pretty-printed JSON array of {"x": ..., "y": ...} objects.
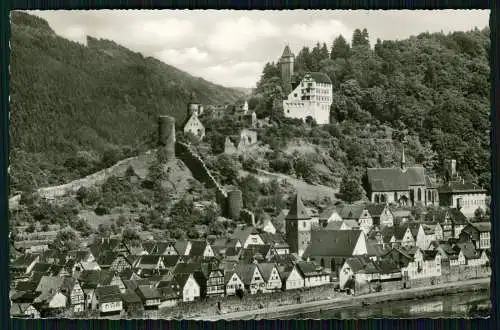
[
  {"x": 298, "y": 211},
  {"x": 287, "y": 52}
]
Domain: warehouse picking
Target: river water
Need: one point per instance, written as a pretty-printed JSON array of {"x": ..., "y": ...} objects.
[{"x": 460, "y": 305}]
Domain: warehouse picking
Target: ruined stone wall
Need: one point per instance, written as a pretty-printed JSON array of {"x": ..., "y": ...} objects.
[{"x": 201, "y": 172}]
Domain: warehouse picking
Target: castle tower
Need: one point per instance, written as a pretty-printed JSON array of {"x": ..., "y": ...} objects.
[
  {"x": 166, "y": 138},
  {"x": 298, "y": 226},
  {"x": 286, "y": 67},
  {"x": 234, "y": 204}
]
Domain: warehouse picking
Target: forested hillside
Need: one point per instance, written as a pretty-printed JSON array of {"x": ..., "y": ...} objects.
[
  {"x": 432, "y": 89},
  {"x": 76, "y": 109}
]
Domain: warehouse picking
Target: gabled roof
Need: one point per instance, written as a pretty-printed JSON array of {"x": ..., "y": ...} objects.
[
  {"x": 276, "y": 240},
  {"x": 109, "y": 293},
  {"x": 469, "y": 251},
  {"x": 90, "y": 279},
  {"x": 395, "y": 179},
  {"x": 327, "y": 212},
  {"x": 255, "y": 251},
  {"x": 482, "y": 226},
  {"x": 376, "y": 210},
  {"x": 181, "y": 246},
  {"x": 297, "y": 210},
  {"x": 332, "y": 243},
  {"x": 266, "y": 270},
  {"x": 171, "y": 260},
  {"x": 245, "y": 272},
  {"x": 150, "y": 259},
  {"x": 308, "y": 269},
  {"x": 146, "y": 292},
  {"x": 242, "y": 234},
  {"x": 130, "y": 297},
  {"x": 198, "y": 247},
  {"x": 351, "y": 212}
]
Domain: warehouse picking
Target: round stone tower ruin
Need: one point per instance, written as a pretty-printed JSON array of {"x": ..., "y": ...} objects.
[
  {"x": 166, "y": 138},
  {"x": 234, "y": 203}
]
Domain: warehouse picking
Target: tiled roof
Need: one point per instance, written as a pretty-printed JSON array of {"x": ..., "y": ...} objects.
[
  {"x": 245, "y": 272},
  {"x": 482, "y": 226},
  {"x": 309, "y": 269},
  {"x": 147, "y": 292},
  {"x": 197, "y": 247},
  {"x": 395, "y": 179},
  {"x": 469, "y": 251},
  {"x": 297, "y": 210},
  {"x": 351, "y": 212},
  {"x": 276, "y": 240},
  {"x": 130, "y": 297},
  {"x": 332, "y": 243},
  {"x": 90, "y": 279},
  {"x": 181, "y": 246},
  {"x": 266, "y": 270}
]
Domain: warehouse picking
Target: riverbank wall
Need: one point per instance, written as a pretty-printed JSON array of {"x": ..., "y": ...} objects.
[
  {"x": 261, "y": 302},
  {"x": 454, "y": 274}
]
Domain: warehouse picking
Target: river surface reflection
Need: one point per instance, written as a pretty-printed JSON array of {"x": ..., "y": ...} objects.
[{"x": 460, "y": 305}]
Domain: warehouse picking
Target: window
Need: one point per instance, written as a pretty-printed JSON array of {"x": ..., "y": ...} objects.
[{"x": 304, "y": 224}]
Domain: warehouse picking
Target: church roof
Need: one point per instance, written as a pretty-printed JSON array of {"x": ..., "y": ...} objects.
[
  {"x": 332, "y": 243},
  {"x": 320, "y": 77},
  {"x": 298, "y": 211},
  {"x": 395, "y": 179},
  {"x": 287, "y": 52}
]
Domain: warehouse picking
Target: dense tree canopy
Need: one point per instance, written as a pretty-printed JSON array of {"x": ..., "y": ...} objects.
[
  {"x": 77, "y": 109},
  {"x": 433, "y": 87}
]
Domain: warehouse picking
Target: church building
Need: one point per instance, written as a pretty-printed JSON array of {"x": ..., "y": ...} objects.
[
  {"x": 192, "y": 123},
  {"x": 405, "y": 186},
  {"x": 311, "y": 99}
]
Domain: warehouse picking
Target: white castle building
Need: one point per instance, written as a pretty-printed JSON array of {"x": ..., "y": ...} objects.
[{"x": 312, "y": 98}]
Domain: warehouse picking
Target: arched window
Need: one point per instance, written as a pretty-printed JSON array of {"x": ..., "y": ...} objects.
[
  {"x": 382, "y": 198},
  {"x": 377, "y": 199},
  {"x": 333, "y": 266},
  {"x": 395, "y": 196},
  {"x": 419, "y": 194},
  {"x": 429, "y": 195},
  {"x": 322, "y": 262}
]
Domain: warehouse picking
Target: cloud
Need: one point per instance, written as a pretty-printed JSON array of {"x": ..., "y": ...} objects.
[
  {"x": 323, "y": 31},
  {"x": 182, "y": 56},
  {"x": 149, "y": 33},
  {"x": 236, "y": 35},
  {"x": 75, "y": 33},
  {"x": 238, "y": 74}
]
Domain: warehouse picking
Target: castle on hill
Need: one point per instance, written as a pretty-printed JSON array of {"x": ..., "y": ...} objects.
[{"x": 311, "y": 98}]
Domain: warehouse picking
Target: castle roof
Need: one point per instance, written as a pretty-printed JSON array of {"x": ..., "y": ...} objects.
[
  {"x": 287, "y": 52},
  {"x": 320, "y": 77},
  {"x": 298, "y": 211},
  {"x": 460, "y": 186}
]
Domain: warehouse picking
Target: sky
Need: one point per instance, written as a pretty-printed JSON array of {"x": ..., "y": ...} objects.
[{"x": 230, "y": 48}]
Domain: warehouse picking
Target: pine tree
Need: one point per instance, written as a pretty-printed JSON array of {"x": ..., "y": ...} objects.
[{"x": 340, "y": 48}]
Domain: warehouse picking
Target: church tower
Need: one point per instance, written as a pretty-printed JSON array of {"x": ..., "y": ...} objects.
[
  {"x": 298, "y": 227},
  {"x": 193, "y": 106},
  {"x": 286, "y": 67}
]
